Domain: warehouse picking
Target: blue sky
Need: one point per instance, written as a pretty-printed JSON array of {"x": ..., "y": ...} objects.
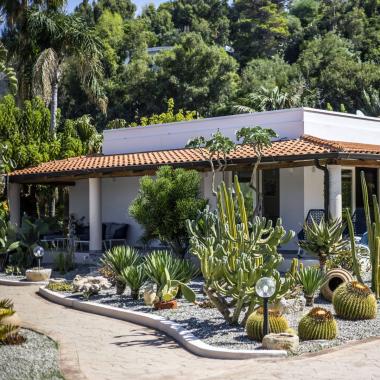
[{"x": 71, "y": 4}]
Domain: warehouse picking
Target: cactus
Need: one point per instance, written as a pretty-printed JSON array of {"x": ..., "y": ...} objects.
[
  {"x": 373, "y": 229},
  {"x": 353, "y": 300},
  {"x": 317, "y": 324},
  {"x": 255, "y": 322},
  {"x": 234, "y": 254}
]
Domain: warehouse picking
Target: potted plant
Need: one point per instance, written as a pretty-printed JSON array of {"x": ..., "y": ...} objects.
[
  {"x": 167, "y": 292},
  {"x": 311, "y": 279}
]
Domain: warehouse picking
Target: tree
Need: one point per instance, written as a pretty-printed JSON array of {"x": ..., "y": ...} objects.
[
  {"x": 258, "y": 139},
  {"x": 8, "y": 79},
  {"x": 68, "y": 37},
  {"x": 214, "y": 150},
  {"x": 163, "y": 205},
  {"x": 270, "y": 99},
  {"x": 197, "y": 75},
  {"x": 260, "y": 28},
  {"x": 371, "y": 102},
  {"x": 125, "y": 8}
]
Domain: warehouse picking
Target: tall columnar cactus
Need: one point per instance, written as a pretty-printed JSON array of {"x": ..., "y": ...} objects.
[
  {"x": 254, "y": 326},
  {"x": 317, "y": 324},
  {"x": 373, "y": 229},
  {"x": 234, "y": 254},
  {"x": 354, "y": 301}
]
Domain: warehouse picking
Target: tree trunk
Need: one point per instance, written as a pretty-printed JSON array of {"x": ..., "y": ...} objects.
[{"x": 54, "y": 106}]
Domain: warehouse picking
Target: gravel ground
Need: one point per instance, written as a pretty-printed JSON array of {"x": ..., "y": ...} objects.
[
  {"x": 36, "y": 359},
  {"x": 208, "y": 325}
]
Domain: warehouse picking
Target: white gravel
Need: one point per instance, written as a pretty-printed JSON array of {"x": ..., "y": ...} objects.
[
  {"x": 35, "y": 359},
  {"x": 208, "y": 325}
]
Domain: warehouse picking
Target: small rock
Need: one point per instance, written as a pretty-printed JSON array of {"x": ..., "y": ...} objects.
[{"x": 282, "y": 341}]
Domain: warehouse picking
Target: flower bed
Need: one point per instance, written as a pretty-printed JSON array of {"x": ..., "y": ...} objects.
[
  {"x": 208, "y": 325},
  {"x": 36, "y": 358}
]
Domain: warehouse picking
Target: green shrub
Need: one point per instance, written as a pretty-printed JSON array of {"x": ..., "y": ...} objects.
[
  {"x": 317, "y": 324},
  {"x": 354, "y": 301},
  {"x": 60, "y": 287},
  {"x": 311, "y": 279},
  {"x": 64, "y": 262},
  {"x": 255, "y": 323},
  {"x": 165, "y": 203},
  {"x": 135, "y": 277}
]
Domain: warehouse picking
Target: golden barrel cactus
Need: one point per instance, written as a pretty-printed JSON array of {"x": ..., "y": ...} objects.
[{"x": 319, "y": 323}]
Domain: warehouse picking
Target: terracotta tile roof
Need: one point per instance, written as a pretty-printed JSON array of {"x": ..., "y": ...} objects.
[{"x": 304, "y": 146}]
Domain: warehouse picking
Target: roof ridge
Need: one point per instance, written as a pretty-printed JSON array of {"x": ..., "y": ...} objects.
[{"x": 335, "y": 146}]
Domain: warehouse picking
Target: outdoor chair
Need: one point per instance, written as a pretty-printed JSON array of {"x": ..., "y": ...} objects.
[{"x": 315, "y": 214}]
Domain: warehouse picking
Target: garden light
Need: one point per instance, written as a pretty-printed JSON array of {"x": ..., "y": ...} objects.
[
  {"x": 38, "y": 252},
  {"x": 265, "y": 289}
]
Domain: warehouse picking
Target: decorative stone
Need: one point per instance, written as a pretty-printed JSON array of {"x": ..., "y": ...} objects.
[
  {"x": 149, "y": 297},
  {"x": 334, "y": 278},
  {"x": 90, "y": 284},
  {"x": 282, "y": 341},
  {"x": 293, "y": 305},
  {"x": 37, "y": 275}
]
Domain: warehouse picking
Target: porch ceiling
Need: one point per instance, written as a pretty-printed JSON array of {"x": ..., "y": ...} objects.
[{"x": 282, "y": 153}]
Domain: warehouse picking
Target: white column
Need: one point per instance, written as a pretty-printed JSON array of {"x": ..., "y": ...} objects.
[
  {"x": 95, "y": 214},
  {"x": 335, "y": 184},
  {"x": 14, "y": 203}
]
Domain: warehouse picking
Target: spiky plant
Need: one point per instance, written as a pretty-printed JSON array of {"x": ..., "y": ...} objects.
[
  {"x": 323, "y": 239},
  {"x": 319, "y": 323},
  {"x": 354, "y": 300},
  {"x": 311, "y": 279},
  {"x": 255, "y": 323},
  {"x": 119, "y": 258},
  {"x": 135, "y": 277},
  {"x": 6, "y": 310}
]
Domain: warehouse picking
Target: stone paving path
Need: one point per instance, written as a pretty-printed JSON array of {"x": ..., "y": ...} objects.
[{"x": 112, "y": 349}]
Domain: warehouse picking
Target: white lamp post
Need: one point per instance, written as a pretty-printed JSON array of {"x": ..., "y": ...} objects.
[{"x": 265, "y": 289}]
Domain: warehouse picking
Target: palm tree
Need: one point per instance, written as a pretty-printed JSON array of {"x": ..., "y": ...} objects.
[
  {"x": 66, "y": 38},
  {"x": 265, "y": 99},
  {"x": 8, "y": 80}
]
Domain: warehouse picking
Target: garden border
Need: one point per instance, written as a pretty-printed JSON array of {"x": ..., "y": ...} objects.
[
  {"x": 172, "y": 329},
  {"x": 21, "y": 283}
]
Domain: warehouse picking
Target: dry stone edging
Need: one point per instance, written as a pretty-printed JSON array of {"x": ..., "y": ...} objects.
[{"x": 184, "y": 337}]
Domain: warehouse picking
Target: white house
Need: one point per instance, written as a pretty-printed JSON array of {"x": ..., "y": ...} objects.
[{"x": 315, "y": 164}]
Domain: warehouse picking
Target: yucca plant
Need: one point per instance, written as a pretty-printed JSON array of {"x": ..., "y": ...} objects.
[
  {"x": 6, "y": 310},
  {"x": 311, "y": 279},
  {"x": 117, "y": 259},
  {"x": 135, "y": 277},
  {"x": 323, "y": 239}
]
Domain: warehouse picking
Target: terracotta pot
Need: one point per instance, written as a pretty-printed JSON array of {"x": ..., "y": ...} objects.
[
  {"x": 37, "y": 275},
  {"x": 161, "y": 305},
  {"x": 334, "y": 278}
]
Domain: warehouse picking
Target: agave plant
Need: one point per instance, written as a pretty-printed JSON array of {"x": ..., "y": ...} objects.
[
  {"x": 311, "y": 279},
  {"x": 135, "y": 277},
  {"x": 178, "y": 269},
  {"x": 116, "y": 260},
  {"x": 323, "y": 239},
  {"x": 6, "y": 310}
]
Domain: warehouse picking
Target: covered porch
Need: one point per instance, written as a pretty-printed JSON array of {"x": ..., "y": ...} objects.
[{"x": 295, "y": 176}]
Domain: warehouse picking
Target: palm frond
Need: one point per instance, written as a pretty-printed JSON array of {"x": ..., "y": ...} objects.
[{"x": 45, "y": 71}]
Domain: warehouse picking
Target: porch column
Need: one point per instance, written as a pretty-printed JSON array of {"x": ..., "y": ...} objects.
[
  {"x": 335, "y": 187},
  {"x": 95, "y": 214},
  {"x": 14, "y": 203}
]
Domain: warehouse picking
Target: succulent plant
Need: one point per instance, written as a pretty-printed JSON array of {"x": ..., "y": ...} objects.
[
  {"x": 354, "y": 300},
  {"x": 311, "y": 279},
  {"x": 135, "y": 276},
  {"x": 117, "y": 259},
  {"x": 318, "y": 323},
  {"x": 254, "y": 326},
  {"x": 6, "y": 310}
]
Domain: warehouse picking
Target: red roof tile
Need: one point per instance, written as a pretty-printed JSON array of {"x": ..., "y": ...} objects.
[{"x": 306, "y": 145}]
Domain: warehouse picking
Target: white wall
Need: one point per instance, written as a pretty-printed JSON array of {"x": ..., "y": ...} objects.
[
  {"x": 287, "y": 123},
  {"x": 314, "y": 189},
  {"x": 78, "y": 199}
]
